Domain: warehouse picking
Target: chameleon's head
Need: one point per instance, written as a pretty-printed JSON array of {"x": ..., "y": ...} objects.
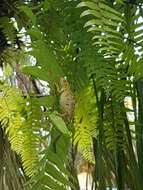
[{"x": 64, "y": 83}]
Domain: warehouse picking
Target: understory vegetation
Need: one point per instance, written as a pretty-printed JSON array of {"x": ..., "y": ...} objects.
[{"x": 71, "y": 94}]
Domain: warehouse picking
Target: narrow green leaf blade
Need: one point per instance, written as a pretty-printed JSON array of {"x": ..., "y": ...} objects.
[{"x": 59, "y": 123}]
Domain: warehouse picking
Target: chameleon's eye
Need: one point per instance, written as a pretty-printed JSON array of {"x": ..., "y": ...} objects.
[{"x": 63, "y": 81}]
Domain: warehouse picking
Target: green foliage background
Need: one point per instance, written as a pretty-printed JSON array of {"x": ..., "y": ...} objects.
[{"x": 101, "y": 54}]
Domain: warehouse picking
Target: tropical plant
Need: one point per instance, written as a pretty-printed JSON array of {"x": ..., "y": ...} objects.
[{"x": 103, "y": 67}]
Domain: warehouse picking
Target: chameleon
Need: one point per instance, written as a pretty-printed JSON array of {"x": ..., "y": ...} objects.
[{"x": 66, "y": 100}]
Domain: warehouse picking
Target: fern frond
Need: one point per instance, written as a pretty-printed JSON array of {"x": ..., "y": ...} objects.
[
  {"x": 8, "y": 29},
  {"x": 104, "y": 26},
  {"x": 10, "y": 116},
  {"x": 53, "y": 173},
  {"x": 114, "y": 130},
  {"x": 22, "y": 129},
  {"x": 85, "y": 123}
]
